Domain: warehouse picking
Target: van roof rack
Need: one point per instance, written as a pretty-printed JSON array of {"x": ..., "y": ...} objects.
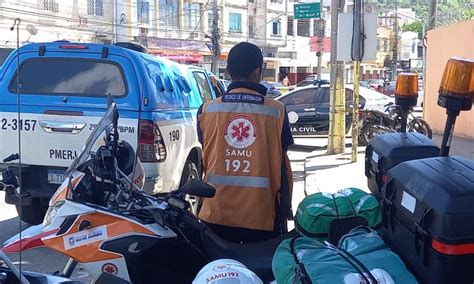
[{"x": 132, "y": 45}]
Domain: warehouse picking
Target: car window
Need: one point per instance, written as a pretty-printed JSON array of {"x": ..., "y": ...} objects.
[
  {"x": 307, "y": 96},
  {"x": 69, "y": 76},
  {"x": 203, "y": 85},
  {"x": 349, "y": 95},
  {"x": 324, "y": 94},
  {"x": 304, "y": 83}
]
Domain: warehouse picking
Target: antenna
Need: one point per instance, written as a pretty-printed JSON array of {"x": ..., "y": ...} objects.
[
  {"x": 18, "y": 85},
  {"x": 32, "y": 30}
]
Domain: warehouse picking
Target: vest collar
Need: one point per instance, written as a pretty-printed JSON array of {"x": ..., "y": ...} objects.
[{"x": 245, "y": 86}]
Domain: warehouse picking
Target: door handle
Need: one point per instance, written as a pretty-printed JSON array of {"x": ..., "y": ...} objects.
[
  {"x": 62, "y": 127},
  {"x": 310, "y": 109}
]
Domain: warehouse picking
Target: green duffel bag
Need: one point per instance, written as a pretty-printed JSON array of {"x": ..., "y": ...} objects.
[
  {"x": 361, "y": 257},
  {"x": 329, "y": 216}
]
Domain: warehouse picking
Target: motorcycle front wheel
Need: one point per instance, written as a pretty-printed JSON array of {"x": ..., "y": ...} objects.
[
  {"x": 421, "y": 126},
  {"x": 370, "y": 130}
]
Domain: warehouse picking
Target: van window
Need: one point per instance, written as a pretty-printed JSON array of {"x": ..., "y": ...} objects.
[
  {"x": 203, "y": 84},
  {"x": 70, "y": 76}
]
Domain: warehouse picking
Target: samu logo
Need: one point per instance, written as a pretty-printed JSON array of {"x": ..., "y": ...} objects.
[{"x": 240, "y": 131}]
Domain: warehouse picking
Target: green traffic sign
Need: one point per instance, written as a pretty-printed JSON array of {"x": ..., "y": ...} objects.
[{"x": 307, "y": 10}]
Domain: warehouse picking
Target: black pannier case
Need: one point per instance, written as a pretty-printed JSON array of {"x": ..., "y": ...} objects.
[
  {"x": 428, "y": 218},
  {"x": 388, "y": 150}
]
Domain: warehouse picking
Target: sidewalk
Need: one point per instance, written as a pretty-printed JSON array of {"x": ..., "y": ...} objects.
[{"x": 330, "y": 173}]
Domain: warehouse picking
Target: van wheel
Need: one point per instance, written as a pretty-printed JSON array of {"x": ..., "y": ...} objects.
[
  {"x": 33, "y": 213},
  {"x": 191, "y": 171}
]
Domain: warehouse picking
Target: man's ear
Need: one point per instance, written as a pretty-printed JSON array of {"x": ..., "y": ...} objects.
[{"x": 257, "y": 73}]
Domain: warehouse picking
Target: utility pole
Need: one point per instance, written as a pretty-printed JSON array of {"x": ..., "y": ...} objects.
[
  {"x": 319, "y": 54},
  {"x": 432, "y": 16},
  {"x": 337, "y": 118},
  {"x": 395, "y": 43},
  {"x": 216, "y": 50},
  {"x": 356, "y": 56}
]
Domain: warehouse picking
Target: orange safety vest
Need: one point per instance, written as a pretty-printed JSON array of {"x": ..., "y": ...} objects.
[{"x": 242, "y": 156}]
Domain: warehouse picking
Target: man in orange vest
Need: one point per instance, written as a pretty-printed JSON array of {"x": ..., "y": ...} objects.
[{"x": 245, "y": 137}]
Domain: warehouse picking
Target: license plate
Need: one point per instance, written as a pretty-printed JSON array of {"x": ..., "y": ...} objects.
[{"x": 56, "y": 176}]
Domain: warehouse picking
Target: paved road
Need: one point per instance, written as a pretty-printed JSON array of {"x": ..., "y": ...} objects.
[{"x": 45, "y": 260}]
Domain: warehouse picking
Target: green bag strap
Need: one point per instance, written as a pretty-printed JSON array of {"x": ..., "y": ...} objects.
[
  {"x": 350, "y": 203},
  {"x": 352, "y": 260},
  {"x": 301, "y": 276}
]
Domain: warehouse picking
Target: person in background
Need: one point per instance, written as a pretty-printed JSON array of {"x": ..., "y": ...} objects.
[
  {"x": 245, "y": 138},
  {"x": 286, "y": 81}
]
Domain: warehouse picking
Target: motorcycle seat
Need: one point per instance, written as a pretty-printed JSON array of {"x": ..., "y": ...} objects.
[{"x": 256, "y": 256}]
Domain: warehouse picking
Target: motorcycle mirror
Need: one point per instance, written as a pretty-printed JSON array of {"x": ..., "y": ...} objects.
[{"x": 198, "y": 188}]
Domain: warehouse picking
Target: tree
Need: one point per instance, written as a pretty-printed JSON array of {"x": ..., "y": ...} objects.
[{"x": 416, "y": 27}]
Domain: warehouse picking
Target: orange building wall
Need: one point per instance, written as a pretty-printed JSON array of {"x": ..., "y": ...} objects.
[{"x": 443, "y": 43}]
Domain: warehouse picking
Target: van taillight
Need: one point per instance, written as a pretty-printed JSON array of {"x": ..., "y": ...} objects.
[{"x": 151, "y": 147}]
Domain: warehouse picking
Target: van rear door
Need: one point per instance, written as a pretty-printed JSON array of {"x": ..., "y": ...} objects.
[{"x": 63, "y": 94}]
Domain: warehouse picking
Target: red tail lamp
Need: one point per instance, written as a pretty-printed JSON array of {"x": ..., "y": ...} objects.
[
  {"x": 406, "y": 94},
  {"x": 456, "y": 93}
]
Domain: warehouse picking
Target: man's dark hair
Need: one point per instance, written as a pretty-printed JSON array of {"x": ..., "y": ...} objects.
[{"x": 243, "y": 59}]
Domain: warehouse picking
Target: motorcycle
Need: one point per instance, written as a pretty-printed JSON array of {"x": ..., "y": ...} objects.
[
  {"x": 101, "y": 219},
  {"x": 9, "y": 273},
  {"x": 376, "y": 122}
]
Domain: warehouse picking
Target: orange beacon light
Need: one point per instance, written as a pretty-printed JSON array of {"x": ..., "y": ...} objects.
[{"x": 456, "y": 93}]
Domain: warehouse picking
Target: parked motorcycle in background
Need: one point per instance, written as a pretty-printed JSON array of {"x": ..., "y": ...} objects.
[{"x": 376, "y": 122}]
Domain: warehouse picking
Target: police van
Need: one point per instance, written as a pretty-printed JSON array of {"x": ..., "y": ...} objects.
[{"x": 63, "y": 89}]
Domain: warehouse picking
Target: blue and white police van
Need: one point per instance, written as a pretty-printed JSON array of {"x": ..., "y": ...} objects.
[{"x": 63, "y": 88}]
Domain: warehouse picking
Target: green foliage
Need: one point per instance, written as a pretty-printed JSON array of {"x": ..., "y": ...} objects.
[{"x": 416, "y": 27}]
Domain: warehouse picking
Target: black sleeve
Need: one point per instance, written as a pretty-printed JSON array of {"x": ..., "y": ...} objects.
[
  {"x": 286, "y": 137},
  {"x": 198, "y": 125}
]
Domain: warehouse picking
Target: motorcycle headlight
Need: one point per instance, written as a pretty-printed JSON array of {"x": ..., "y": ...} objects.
[{"x": 51, "y": 213}]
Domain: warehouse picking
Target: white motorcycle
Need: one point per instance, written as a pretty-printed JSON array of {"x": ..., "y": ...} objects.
[{"x": 101, "y": 218}]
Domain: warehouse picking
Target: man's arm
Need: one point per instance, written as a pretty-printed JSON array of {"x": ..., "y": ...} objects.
[
  {"x": 198, "y": 125},
  {"x": 286, "y": 136}
]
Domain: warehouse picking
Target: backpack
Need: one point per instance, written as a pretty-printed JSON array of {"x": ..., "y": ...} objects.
[
  {"x": 360, "y": 257},
  {"x": 329, "y": 216}
]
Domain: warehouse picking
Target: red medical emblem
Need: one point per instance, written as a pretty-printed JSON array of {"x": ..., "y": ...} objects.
[
  {"x": 110, "y": 268},
  {"x": 240, "y": 131}
]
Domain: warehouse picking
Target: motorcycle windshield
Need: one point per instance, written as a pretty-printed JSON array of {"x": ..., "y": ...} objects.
[{"x": 103, "y": 124}]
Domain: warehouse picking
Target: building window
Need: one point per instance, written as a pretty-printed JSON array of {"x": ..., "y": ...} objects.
[
  {"x": 168, "y": 13},
  {"x": 251, "y": 26},
  {"x": 235, "y": 22},
  {"x": 276, "y": 27},
  {"x": 385, "y": 45},
  {"x": 289, "y": 30},
  {"x": 192, "y": 13},
  {"x": 303, "y": 27},
  {"x": 143, "y": 12},
  {"x": 50, "y": 5},
  {"x": 276, "y": 1},
  {"x": 95, "y": 8},
  {"x": 251, "y": 1}
]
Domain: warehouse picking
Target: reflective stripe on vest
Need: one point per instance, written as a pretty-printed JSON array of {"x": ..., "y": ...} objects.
[
  {"x": 243, "y": 108},
  {"x": 244, "y": 181}
]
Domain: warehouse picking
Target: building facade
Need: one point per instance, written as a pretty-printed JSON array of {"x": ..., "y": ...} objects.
[
  {"x": 50, "y": 20},
  {"x": 181, "y": 30}
]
